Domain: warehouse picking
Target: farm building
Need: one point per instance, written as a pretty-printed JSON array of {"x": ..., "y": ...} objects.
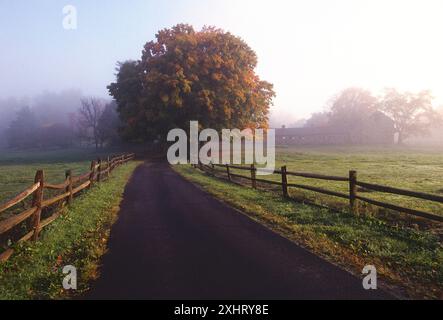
[{"x": 377, "y": 129}]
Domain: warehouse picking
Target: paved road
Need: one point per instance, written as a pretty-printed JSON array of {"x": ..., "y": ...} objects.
[{"x": 173, "y": 241}]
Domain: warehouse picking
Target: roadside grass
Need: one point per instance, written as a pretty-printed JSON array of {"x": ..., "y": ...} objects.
[
  {"x": 78, "y": 237},
  {"x": 408, "y": 260},
  {"x": 17, "y": 168}
]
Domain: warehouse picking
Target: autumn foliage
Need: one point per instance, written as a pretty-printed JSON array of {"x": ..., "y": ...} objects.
[{"x": 185, "y": 75}]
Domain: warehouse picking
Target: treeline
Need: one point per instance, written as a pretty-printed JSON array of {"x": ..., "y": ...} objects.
[
  {"x": 410, "y": 114},
  {"x": 94, "y": 123}
]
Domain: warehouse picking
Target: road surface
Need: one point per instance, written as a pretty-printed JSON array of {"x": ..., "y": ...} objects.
[{"x": 174, "y": 241}]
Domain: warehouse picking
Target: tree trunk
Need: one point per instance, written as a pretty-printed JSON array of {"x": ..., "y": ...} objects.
[{"x": 400, "y": 139}]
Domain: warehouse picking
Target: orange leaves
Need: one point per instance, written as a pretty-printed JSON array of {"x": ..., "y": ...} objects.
[
  {"x": 187, "y": 88},
  {"x": 188, "y": 75},
  {"x": 217, "y": 76},
  {"x": 205, "y": 99}
]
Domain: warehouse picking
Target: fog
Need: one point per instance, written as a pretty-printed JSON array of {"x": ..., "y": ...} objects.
[
  {"x": 309, "y": 50},
  {"x": 49, "y": 108}
]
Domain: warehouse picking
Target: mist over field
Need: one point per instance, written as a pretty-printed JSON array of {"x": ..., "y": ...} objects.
[
  {"x": 309, "y": 55},
  {"x": 48, "y": 107}
]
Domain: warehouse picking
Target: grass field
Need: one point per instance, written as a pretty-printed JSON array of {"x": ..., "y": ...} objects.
[
  {"x": 418, "y": 169},
  {"x": 77, "y": 238},
  {"x": 17, "y": 169}
]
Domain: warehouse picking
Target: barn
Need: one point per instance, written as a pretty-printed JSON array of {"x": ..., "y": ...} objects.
[{"x": 378, "y": 129}]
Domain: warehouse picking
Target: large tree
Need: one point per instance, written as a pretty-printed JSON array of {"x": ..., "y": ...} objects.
[
  {"x": 185, "y": 75},
  {"x": 352, "y": 107},
  {"x": 412, "y": 113}
]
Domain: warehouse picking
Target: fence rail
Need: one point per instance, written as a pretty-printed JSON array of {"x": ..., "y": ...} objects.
[
  {"x": 352, "y": 196},
  {"x": 99, "y": 171}
]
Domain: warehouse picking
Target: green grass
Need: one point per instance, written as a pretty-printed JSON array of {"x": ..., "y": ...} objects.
[
  {"x": 412, "y": 168},
  {"x": 404, "y": 257},
  {"x": 76, "y": 238},
  {"x": 17, "y": 169},
  {"x": 419, "y": 169}
]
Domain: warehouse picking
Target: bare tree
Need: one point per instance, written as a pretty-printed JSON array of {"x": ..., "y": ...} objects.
[{"x": 88, "y": 120}]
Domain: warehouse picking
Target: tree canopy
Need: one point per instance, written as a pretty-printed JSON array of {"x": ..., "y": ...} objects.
[
  {"x": 412, "y": 113},
  {"x": 352, "y": 107},
  {"x": 184, "y": 75}
]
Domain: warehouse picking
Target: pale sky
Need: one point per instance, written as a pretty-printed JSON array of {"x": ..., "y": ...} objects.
[{"x": 309, "y": 49}]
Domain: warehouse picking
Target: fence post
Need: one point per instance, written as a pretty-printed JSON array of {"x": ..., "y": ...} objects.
[
  {"x": 68, "y": 175},
  {"x": 228, "y": 172},
  {"x": 108, "y": 167},
  {"x": 99, "y": 169},
  {"x": 92, "y": 175},
  {"x": 284, "y": 181},
  {"x": 253, "y": 176},
  {"x": 353, "y": 192},
  {"x": 37, "y": 202}
]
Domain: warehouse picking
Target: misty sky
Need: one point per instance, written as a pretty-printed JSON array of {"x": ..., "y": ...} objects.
[{"x": 310, "y": 50}]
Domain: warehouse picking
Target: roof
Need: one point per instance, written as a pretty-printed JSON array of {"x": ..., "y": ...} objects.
[
  {"x": 307, "y": 131},
  {"x": 377, "y": 119}
]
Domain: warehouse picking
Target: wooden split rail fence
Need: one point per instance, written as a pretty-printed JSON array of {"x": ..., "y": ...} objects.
[
  {"x": 353, "y": 196},
  {"x": 100, "y": 170}
]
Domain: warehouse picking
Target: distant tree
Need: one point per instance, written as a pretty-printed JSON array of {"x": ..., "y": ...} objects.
[
  {"x": 54, "y": 135},
  {"x": 352, "y": 107},
  {"x": 185, "y": 75},
  {"x": 20, "y": 133},
  {"x": 25, "y": 132},
  {"x": 412, "y": 113},
  {"x": 89, "y": 115},
  {"x": 318, "y": 119},
  {"x": 52, "y": 107},
  {"x": 8, "y": 110},
  {"x": 108, "y": 125}
]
